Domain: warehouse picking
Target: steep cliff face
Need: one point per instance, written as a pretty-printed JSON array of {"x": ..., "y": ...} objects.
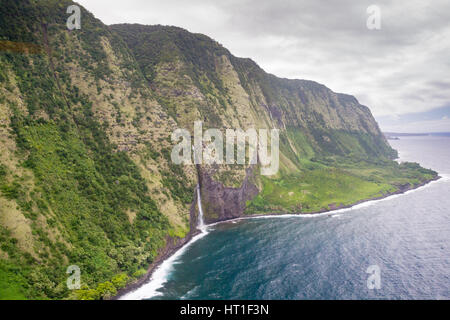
[
  {"x": 86, "y": 117},
  {"x": 195, "y": 78},
  {"x": 225, "y": 203}
]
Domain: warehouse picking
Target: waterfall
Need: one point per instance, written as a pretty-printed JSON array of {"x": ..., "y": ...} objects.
[{"x": 201, "y": 224}]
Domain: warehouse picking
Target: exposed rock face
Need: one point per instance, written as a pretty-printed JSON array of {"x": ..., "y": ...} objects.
[{"x": 223, "y": 203}]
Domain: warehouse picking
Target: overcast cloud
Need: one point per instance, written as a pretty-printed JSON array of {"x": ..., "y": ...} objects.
[{"x": 402, "y": 68}]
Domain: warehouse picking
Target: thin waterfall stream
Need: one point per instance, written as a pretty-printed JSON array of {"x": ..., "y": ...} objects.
[{"x": 201, "y": 224}]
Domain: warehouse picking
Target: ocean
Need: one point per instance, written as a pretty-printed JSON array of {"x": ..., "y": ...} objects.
[{"x": 394, "y": 248}]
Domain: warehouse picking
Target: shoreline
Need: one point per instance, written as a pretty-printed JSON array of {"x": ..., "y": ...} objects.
[
  {"x": 402, "y": 190},
  {"x": 174, "y": 246},
  {"x": 334, "y": 210}
]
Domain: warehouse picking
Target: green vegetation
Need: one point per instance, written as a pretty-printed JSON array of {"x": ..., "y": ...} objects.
[
  {"x": 335, "y": 183},
  {"x": 171, "y": 180},
  {"x": 88, "y": 190},
  {"x": 11, "y": 281}
]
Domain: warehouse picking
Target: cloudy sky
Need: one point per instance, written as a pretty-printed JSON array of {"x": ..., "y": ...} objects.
[{"x": 401, "y": 71}]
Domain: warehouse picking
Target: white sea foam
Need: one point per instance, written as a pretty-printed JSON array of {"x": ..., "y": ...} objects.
[
  {"x": 161, "y": 274},
  {"x": 189, "y": 293}
]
